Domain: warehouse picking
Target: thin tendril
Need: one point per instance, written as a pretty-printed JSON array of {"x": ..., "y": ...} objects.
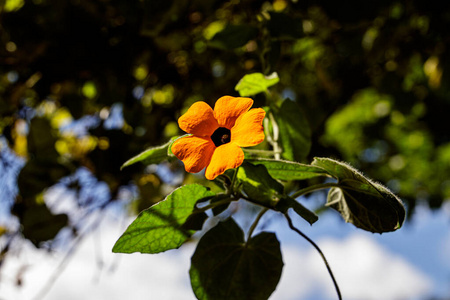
[{"x": 318, "y": 250}]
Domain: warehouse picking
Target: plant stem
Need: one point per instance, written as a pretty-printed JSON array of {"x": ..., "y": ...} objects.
[
  {"x": 318, "y": 250},
  {"x": 212, "y": 205},
  {"x": 252, "y": 228},
  {"x": 276, "y": 147},
  {"x": 313, "y": 188}
]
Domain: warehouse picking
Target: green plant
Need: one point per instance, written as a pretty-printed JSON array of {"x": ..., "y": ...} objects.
[{"x": 227, "y": 263}]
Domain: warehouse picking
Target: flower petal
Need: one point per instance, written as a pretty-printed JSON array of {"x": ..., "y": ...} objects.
[
  {"x": 194, "y": 151},
  {"x": 248, "y": 130},
  {"x": 227, "y": 156},
  {"x": 227, "y": 109},
  {"x": 198, "y": 120}
]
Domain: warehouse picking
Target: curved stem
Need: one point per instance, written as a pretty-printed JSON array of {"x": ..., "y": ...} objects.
[
  {"x": 318, "y": 250},
  {"x": 252, "y": 228},
  {"x": 313, "y": 188}
]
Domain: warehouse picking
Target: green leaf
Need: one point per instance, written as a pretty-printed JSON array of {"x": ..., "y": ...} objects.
[
  {"x": 257, "y": 184},
  {"x": 252, "y": 84},
  {"x": 337, "y": 169},
  {"x": 288, "y": 202},
  {"x": 295, "y": 133},
  {"x": 289, "y": 170},
  {"x": 233, "y": 36},
  {"x": 224, "y": 266},
  {"x": 153, "y": 155},
  {"x": 161, "y": 227},
  {"x": 360, "y": 201}
]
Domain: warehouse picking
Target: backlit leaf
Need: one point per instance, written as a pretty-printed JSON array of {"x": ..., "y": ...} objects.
[
  {"x": 162, "y": 226},
  {"x": 360, "y": 201},
  {"x": 225, "y": 266},
  {"x": 289, "y": 170},
  {"x": 259, "y": 187},
  {"x": 152, "y": 155},
  {"x": 256, "y": 183},
  {"x": 252, "y": 84}
]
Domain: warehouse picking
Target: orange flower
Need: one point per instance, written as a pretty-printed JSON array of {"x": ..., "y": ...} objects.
[{"x": 218, "y": 135}]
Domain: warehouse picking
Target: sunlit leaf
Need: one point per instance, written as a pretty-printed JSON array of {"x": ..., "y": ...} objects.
[
  {"x": 362, "y": 202},
  {"x": 295, "y": 133},
  {"x": 224, "y": 266},
  {"x": 161, "y": 227},
  {"x": 252, "y": 84},
  {"x": 289, "y": 170},
  {"x": 153, "y": 155},
  {"x": 256, "y": 184}
]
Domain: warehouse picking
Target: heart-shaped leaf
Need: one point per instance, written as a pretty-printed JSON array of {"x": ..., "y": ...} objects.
[
  {"x": 225, "y": 266},
  {"x": 162, "y": 226}
]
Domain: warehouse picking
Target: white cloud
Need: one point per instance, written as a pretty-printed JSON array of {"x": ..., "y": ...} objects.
[
  {"x": 363, "y": 270},
  {"x": 136, "y": 276}
]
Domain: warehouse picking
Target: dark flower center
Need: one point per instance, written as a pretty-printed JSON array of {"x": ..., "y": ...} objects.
[{"x": 221, "y": 136}]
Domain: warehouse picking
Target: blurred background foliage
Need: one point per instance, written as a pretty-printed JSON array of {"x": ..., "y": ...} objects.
[{"x": 85, "y": 85}]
